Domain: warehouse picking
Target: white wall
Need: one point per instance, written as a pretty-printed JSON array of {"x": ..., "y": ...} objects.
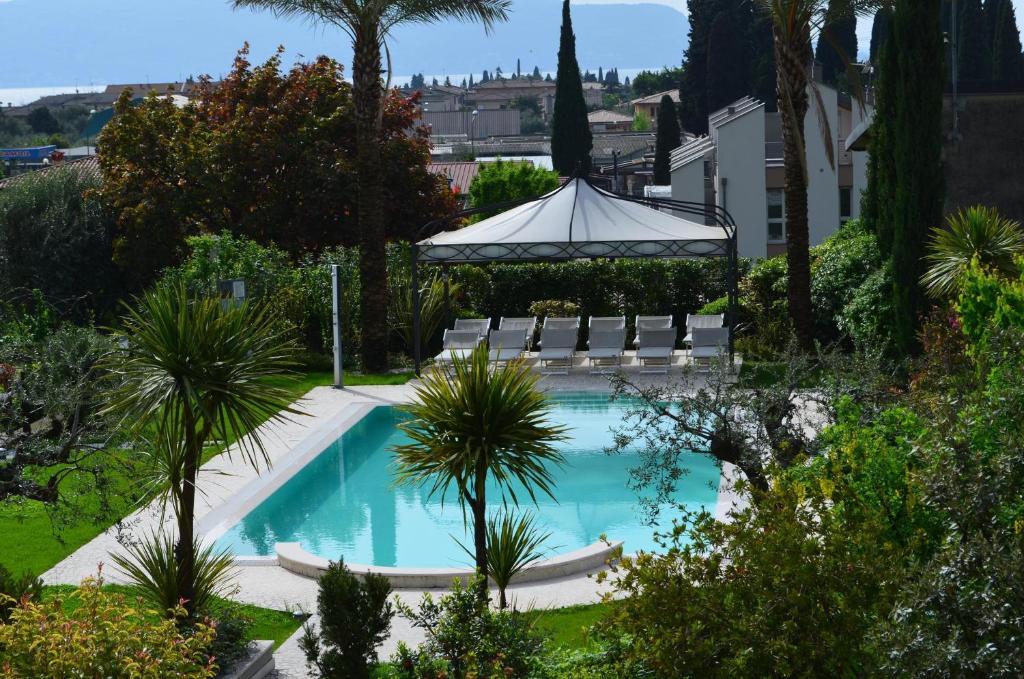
[
  {"x": 822, "y": 178},
  {"x": 740, "y": 180},
  {"x": 688, "y": 182},
  {"x": 860, "y": 164}
]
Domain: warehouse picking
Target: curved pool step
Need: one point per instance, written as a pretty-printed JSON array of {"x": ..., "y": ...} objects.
[{"x": 292, "y": 557}]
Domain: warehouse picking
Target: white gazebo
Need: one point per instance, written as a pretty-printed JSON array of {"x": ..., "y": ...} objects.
[{"x": 579, "y": 221}]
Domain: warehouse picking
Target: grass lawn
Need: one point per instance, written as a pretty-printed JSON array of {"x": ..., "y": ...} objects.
[
  {"x": 267, "y": 623},
  {"x": 27, "y": 540},
  {"x": 567, "y": 628}
]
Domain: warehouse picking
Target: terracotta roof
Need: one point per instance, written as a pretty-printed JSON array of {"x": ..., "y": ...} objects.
[
  {"x": 604, "y": 116},
  {"x": 460, "y": 174},
  {"x": 656, "y": 98},
  {"x": 89, "y": 166}
]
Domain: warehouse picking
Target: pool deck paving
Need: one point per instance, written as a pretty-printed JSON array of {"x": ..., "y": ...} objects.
[{"x": 229, "y": 486}]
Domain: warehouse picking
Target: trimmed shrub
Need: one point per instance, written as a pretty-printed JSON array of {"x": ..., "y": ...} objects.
[{"x": 355, "y": 617}]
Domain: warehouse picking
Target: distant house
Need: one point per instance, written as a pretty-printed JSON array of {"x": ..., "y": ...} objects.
[
  {"x": 100, "y": 101},
  {"x": 464, "y": 124},
  {"x": 648, "y": 106},
  {"x": 501, "y": 94},
  {"x": 88, "y": 166},
  {"x": 609, "y": 121},
  {"x": 460, "y": 176},
  {"x": 739, "y": 166},
  {"x": 439, "y": 97}
]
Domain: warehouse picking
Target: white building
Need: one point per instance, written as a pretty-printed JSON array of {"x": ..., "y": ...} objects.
[{"x": 738, "y": 165}]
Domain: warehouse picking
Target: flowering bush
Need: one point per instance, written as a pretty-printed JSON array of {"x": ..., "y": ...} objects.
[{"x": 92, "y": 633}]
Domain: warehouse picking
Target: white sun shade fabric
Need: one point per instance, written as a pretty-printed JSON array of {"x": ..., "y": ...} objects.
[{"x": 576, "y": 221}]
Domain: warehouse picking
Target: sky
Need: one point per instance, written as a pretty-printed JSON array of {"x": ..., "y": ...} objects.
[{"x": 85, "y": 42}]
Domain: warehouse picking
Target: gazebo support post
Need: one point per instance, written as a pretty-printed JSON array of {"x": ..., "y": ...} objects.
[
  {"x": 447, "y": 298},
  {"x": 415, "y": 285},
  {"x": 733, "y": 296}
]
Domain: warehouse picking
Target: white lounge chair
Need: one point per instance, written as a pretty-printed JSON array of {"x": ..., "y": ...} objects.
[
  {"x": 702, "y": 321},
  {"x": 505, "y": 345},
  {"x": 651, "y": 323},
  {"x": 598, "y": 323},
  {"x": 558, "y": 346},
  {"x": 605, "y": 349},
  {"x": 482, "y": 326},
  {"x": 654, "y": 349},
  {"x": 459, "y": 343},
  {"x": 709, "y": 344},
  {"x": 526, "y": 324},
  {"x": 553, "y": 323}
]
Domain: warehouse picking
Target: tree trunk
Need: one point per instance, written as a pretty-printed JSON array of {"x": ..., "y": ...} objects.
[
  {"x": 479, "y": 506},
  {"x": 792, "y": 56},
  {"x": 184, "y": 550},
  {"x": 367, "y": 97}
]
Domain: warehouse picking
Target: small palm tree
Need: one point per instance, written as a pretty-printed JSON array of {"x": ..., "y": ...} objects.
[
  {"x": 476, "y": 422},
  {"x": 973, "y": 233},
  {"x": 793, "y": 22},
  {"x": 368, "y": 24},
  {"x": 513, "y": 543},
  {"x": 192, "y": 372}
]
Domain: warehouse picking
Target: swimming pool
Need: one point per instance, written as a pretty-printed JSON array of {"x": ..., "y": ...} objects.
[{"x": 343, "y": 503}]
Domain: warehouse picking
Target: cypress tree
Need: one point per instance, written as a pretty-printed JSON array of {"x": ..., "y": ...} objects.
[
  {"x": 837, "y": 43},
  {"x": 668, "y": 138},
  {"x": 1007, "y": 61},
  {"x": 974, "y": 51},
  {"x": 727, "y": 66},
  {"x": 571, "y": 140},
  {"x": 877, "y": 203},
  {"x": 762, "y": 60},
  {"x": 917, "y": 157},
  {"x": 879, "y": 32},
  {"x": 536, "y": 73},
  {"x": 693, "y": 87}
]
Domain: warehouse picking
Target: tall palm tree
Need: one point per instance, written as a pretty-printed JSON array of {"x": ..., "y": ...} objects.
[
  {"x": 368, "y": 23},
  {"x": 476, "y": 422},
  {"x": 976, "y": 233},
  {"x": 192, "y": 372},
  {"x": 793, "y": 22}
]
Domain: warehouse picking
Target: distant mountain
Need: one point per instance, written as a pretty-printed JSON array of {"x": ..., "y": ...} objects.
[{"x": 68, "y": 42}]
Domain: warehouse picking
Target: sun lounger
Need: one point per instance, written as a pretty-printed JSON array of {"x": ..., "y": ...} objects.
[
  {"x": 651, "y": 323},
  {"x": 558, "y": 346},
  {"x": 505, "y": 345},
  {"x": 702, "y": 321},
  {"x": 598, "y": 323},
  {"x": 552, "y": 323},
  {"x": 654, "y": 349},
  {"x": 527, "y": 325},
  {"x": 709, "y": 344},
  {"x": 605, "y": 349},
  {"x": 482, "y": 326},
  {"x": 459, "y": 343}
]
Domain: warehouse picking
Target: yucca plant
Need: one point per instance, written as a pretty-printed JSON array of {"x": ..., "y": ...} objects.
[
  {"x": 152, "y": 567},
  {"x": 475, "y": 422},
  {"x": 975, "y": 233},
  {"x": 192, "y": 371},
  {"x": 513, "y": 543},
  {"x": 431, "y": 306}
]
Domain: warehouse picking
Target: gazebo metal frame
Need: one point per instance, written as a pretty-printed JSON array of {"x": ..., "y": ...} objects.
[{"x": 424, "y": 253}]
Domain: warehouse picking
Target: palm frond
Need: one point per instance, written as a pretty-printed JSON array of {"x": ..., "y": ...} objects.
[{"x": 975, "y": 233}]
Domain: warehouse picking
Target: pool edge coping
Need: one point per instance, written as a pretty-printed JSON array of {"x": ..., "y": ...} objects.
[{"x": 292, "y": 557}]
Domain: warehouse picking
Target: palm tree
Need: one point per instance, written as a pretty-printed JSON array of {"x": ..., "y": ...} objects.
[
  {"x": 793, "y": 22},
  {"x": 975, "y": 233},
  {"x": 476, "y": 422},
  {"x": 192, "y": 371},
  {"x": 513, "y": 543},
  {"x": 368, "y": 23}
]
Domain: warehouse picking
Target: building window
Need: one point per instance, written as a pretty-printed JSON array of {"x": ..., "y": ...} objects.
[
  {"x": 845, "y": 202},
  {"x": 776, "y": 216}
]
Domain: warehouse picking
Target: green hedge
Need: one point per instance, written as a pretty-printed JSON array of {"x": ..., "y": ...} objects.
[{"x": 600, "y": 287}]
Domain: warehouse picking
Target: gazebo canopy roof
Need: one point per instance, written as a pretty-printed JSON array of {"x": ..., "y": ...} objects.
[{"x": 577, "y": 220}]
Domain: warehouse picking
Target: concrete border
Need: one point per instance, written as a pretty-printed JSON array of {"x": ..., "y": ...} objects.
[
  {"x": 292, "y": 557},
  {"x": 258, "y": 664}
]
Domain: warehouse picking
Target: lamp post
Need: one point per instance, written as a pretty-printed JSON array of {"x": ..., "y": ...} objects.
[
  {"x": 92, "y": 112},
  {"x": 472, "y": 134}
]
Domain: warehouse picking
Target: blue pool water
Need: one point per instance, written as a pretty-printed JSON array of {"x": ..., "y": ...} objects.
[{"x": 343, "y": 503}]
